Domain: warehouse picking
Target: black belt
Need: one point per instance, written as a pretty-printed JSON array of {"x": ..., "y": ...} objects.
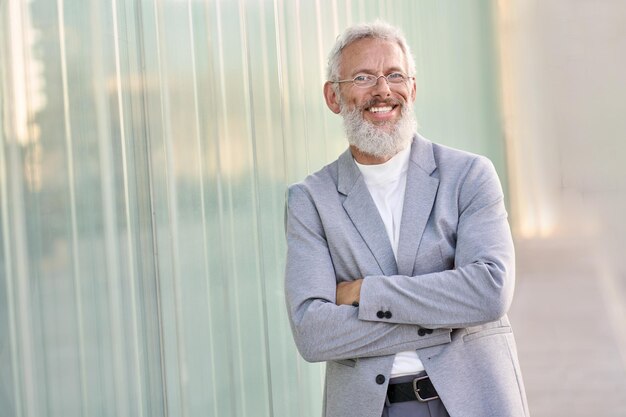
[{"x": 420, "y": 389}]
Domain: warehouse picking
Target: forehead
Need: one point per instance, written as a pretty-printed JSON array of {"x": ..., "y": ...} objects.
[{"x": 372, "y": 55}]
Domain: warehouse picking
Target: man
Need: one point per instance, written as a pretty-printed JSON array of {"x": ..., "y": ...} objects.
[{"x": 400, "y": 262}]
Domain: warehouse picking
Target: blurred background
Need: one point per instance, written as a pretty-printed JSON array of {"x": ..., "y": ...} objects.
[{"x": 145, "y": 150}]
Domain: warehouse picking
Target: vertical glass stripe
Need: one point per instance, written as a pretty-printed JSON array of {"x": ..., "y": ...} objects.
[
  {"x": 232, "y": 267},
  {"x": 111, "y": 236},
  {"x": 18, "y": 292},
  {"x": 84, "y": 400},
  {"x": 129, "y": 236},
  {"x": 8, "y": 266},
  {"x": 252, "y": 133},
  {"x": 151, "y": 299},
  {"x": 176, "y": 395},
  {"x": 18, "y": 139},
  {"x": 279, "y": 73},
  {"x": 212, "y": 133},
  {"x": 221, "y": 339},
  {"x": 20, "y": 295},
  {"x": 201, "y": 171},
  {"x": 225, "y": 201},
  {"x": 7, "y": 43},
  {"x": 301, "y": 85}
]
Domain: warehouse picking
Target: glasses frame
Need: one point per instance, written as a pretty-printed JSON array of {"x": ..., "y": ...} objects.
[{"x": 386, "y": 77}]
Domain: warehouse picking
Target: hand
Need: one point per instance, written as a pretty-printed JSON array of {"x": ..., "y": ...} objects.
[{"x": 349, "y": 292}]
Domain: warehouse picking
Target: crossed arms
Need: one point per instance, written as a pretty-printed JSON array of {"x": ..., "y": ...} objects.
[{"x": 477, "y": 290}]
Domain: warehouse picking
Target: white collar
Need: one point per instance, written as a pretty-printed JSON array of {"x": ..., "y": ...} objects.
[{"x": 386, "y": 172}]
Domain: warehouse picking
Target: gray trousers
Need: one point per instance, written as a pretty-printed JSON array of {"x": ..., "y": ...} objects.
[{"x": 415, "y": 408}]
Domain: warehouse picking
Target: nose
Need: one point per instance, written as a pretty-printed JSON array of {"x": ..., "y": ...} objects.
[{"x": 381, "y": 88}]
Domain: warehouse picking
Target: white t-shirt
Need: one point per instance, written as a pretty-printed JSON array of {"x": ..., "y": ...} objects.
[{"x": 386, "y": 184}]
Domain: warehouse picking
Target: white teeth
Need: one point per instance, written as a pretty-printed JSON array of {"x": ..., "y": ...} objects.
[{"x": 381, "y": 109}]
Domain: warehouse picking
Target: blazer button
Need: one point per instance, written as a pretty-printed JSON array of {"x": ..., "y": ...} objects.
[
  {"x": 429, "y": 331},
  {"x": 387, "y": 314},
  {"x": 380, "y": 379},
  {"x": 421, "y": 331},
  {"x": 380, "y": 314}
]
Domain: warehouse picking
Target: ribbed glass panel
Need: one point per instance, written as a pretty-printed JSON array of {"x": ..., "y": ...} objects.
[
  {"x": 77, "y": 274},
  {"x": 145, "y": 151}
]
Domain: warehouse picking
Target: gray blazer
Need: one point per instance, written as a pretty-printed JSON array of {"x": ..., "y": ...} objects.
[{"x": 446, "y": 296}]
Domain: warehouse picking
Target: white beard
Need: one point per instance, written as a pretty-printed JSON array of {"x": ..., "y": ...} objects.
[{"x": 379, "y": 140}]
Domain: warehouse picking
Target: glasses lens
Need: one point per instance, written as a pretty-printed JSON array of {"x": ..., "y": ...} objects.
[
  {"x": 364, "y": 80},
  {"x": 396, "y": 78}
]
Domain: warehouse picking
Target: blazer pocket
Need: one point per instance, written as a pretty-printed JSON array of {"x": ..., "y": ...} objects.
[
  {"x": 485, "y": 330},
  {"x": 347, "y": 362}
]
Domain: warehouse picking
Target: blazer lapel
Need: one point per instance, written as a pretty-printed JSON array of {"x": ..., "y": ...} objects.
[
  {"x": 421, "y": 189},
  {"x": 362, "y": 210}
]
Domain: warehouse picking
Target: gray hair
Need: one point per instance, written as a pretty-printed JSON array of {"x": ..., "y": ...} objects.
[{"x": 375, "y": 30}]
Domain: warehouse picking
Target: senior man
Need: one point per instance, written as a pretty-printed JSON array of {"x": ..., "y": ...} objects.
[{"x": 400, "y": 262}]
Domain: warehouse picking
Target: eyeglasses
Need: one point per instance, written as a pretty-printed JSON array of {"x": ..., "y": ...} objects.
[{"x": 366, "y": 80}]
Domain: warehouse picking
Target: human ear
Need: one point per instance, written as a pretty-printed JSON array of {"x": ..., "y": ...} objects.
[
  {"x": 413, "y": 90},
  {"x": 331, "y": 97}
]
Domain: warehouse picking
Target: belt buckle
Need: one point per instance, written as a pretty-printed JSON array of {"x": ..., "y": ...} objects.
[{"x": 417, "y": 390}]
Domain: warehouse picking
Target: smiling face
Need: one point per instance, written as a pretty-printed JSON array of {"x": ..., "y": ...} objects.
[{"x": 383, "y": 108}]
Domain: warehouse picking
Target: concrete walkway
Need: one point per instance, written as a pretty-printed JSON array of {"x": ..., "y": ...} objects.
[{"x": 569, "y": 318}]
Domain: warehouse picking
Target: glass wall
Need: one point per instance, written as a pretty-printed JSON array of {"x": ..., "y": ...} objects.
[{"x": 145, "y": 150}]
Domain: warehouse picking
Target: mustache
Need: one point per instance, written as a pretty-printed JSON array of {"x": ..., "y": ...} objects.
[{"x": 377, "y": 102}]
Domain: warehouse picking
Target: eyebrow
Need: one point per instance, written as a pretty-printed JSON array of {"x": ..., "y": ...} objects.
[{"x": 368, "y": 71}]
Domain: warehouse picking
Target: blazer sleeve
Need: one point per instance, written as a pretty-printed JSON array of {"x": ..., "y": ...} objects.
[
  {"x": 479, "y": 288},
  {"x": 321, "y": 329}
]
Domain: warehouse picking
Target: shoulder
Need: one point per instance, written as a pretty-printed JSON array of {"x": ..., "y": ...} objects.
[
  {"x": 313, "y": 185},
  {"x": 441, "y": 160},
  {"x": 449, "y": 158},
  {"x": 463, "y": 173},
  {"x": 460, "y": 166}
]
